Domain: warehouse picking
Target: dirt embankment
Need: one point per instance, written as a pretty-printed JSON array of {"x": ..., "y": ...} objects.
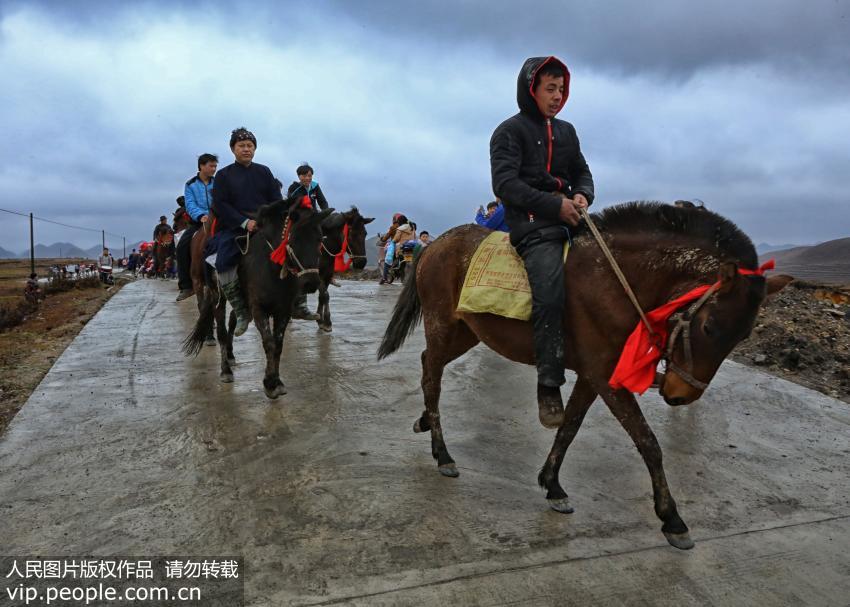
[
  {"x": 803, "y": 334},
  {"x": 28, "y": 349}
]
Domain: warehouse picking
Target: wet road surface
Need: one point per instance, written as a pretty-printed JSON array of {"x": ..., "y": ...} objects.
[{"x": 128, "y": 448}]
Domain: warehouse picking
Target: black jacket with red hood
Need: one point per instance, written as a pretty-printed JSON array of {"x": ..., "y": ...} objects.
[{"x": 533, "y": 159}]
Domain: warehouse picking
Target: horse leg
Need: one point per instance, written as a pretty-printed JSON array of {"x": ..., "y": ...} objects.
[
  {"x": 231, "y": 328},
  {"x": 580, "y": 400},
  {"x": 280, "y": 322},
  {"x": 324, "y": 310},
  {"x": 625, "y": 408},
  {"x": 226, "y": 375},
  {"x": 271, "y": 381},
  {"x": 443, "y": 345}
]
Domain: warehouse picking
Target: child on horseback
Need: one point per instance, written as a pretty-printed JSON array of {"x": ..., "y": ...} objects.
[
  {"x": 305, "y": 186},
  {"x": 543, "y": 180}
]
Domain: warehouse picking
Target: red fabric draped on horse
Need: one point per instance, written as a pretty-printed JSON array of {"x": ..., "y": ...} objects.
[{"x": 664, "y": 252}]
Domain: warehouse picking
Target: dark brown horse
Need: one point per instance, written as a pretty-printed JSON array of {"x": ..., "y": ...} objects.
[
  {"x": 268, "y": 287},
  {"x": 334, "y": 241},
  {"x": 664, "y": 252}
]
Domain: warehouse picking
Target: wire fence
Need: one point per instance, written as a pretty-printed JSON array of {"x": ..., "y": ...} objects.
[{"x": 14, "y": 269}]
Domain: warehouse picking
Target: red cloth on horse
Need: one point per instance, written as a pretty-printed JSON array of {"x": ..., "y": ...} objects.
[
  {"x": 635, "y": 371},
  {"x": 279, "y": 254},
  {"x": 340, "y": 264}
]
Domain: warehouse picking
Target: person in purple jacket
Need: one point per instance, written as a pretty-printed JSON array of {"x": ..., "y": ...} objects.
[{"x": 493, "y": 218}]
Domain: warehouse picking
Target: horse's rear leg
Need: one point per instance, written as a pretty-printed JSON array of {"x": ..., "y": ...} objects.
[
  {"x": 581, "y": 398},
  {"x": 201, "y": 294},
  {"x": 443, "y": 345},
  {"x": 625, "y": 408}
]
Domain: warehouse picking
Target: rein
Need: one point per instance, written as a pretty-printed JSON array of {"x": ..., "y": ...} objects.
[{"x": 284, "y": 252}]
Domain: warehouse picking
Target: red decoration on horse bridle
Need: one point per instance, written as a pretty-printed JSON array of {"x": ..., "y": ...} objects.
[
  {"x": 635, "y": 371},
  {"x": 340, "y": 264},
  {"x": 279, "y": 254}
]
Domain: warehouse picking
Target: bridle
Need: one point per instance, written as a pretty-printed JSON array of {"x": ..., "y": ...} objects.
[
  {"x": 682, "y": 326},
  {"x": 347, "y": 249},
  {"x": 683, "y": 320},
  {"x": 285, "y": 270}
]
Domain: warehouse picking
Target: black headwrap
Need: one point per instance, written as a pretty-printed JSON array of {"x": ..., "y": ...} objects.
[{"x": 242, "y": 134}]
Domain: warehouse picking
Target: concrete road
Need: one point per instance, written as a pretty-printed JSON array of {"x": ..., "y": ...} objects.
[{"x": 128, "y": 448}]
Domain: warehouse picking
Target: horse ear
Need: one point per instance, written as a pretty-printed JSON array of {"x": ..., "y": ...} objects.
[
  {"x": 368, "y": 220},
  {"x": 776, "y": 283},
  {"x": 322, "y": 215},
  {"x": 727, "y": 275}
]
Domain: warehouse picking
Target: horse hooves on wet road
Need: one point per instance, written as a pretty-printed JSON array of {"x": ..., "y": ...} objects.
[
  {"x": 449, "y": 470},
  {"x": 275, "y": 392},
  {"x": 326, "y": 328},
  {"x": 561, "y": 505},
  {"x": 682, "y": 541},
  {"x": 226, "y": 378}
]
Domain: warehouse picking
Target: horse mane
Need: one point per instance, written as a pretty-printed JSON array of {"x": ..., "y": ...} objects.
[
  {"x": 714, "y": 233},
  {"x": 274, "y": 212}
]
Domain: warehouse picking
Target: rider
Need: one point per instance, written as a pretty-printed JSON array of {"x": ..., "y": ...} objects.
[
  {"x": 162, "y": 228},
  {"x": 306, "y": 186},
  {"x": 240, "y": 190},
  {"x": 543, "y": 186},
  {"x": 198, "y": 197}
]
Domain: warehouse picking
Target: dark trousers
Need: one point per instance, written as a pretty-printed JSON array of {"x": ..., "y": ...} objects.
[
  {"x": 184, "y": 261},
  {"x": 542, "y": 252}
]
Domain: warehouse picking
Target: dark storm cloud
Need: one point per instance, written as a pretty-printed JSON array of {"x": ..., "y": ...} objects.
[{"x": 742, "y": 105}]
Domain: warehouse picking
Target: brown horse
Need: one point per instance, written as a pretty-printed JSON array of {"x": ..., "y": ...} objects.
[
  {"x": 664, "y": 252},
  {"x": 196, "y": 256},
  {"x": 334, "y": 242}
]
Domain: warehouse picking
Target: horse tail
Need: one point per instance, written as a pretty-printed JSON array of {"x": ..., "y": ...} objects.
[
  {"x": 406, "y": 315},
  {"x": 194, "y": 342}
]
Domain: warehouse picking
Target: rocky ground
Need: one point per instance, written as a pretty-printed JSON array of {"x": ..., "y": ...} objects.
[{"x": 803, "y": 334}]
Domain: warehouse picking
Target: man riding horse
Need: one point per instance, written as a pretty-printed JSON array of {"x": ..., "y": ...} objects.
[
  {"x": 240, "y": 190},
  {"x": 198, "y": 198},
  {"x": 541, "y": 176}
]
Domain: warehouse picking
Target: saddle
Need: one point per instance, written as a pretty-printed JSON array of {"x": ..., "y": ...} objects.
[{"x": 496, "y": 281}]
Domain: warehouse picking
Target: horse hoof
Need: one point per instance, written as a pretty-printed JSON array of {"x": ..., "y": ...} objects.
[
  {"x": 275, "y": 392},
  {"x": 326, "y": 328},
  {"x": 419, "y": 427},
  {"x": 449, "y": 470},
  {"x": 561, "y": 505},
  {"x": 226, "y": 378},
  {"x": 231, "y": 360},
  {"x": 682, "y": 541},
  {"x": 209, "y": 341}
]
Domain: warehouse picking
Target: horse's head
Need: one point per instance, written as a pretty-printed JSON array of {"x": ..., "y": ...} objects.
[
  {"x": 357, "y": 236},
  {"x": 305, "y": 239},
  {"x": 180, "y": 220},
  {"x": 708, "y": 331}
]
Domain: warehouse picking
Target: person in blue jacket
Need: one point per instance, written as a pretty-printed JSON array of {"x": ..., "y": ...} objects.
[
  {"x": 198, "y": 197},
  {"x": 240, "y": 190},
  {"x": 494, "y": 218}
]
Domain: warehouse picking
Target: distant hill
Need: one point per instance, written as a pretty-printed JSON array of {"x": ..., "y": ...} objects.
[
  {"x": 57, "y": 249},
  {"x": 825, "y": 262},
  {"x": 764, "y": 247},
  {"x": 5, "y": 254}
]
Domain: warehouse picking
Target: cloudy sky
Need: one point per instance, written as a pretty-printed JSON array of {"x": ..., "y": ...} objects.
[{"x": 105, "y": 106}]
